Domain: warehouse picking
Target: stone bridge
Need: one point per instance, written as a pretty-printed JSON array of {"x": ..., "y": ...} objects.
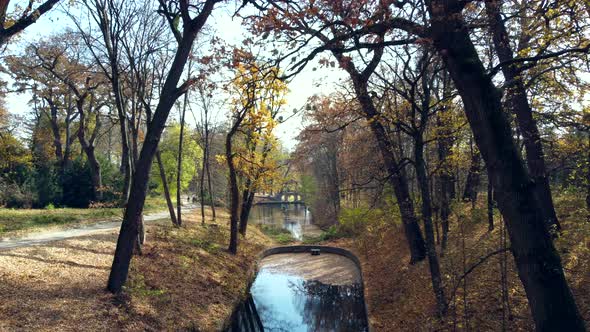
[{"x": 283, "y": 197}]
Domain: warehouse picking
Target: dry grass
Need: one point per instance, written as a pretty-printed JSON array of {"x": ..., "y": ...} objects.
[
  {"x": 400, "y": 297},
  {"x": 184, "y": 280},
  {"x": 16, "y": 222}
]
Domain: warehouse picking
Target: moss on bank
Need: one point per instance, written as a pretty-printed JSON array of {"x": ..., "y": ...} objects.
[{"x": 278, "y": 234}]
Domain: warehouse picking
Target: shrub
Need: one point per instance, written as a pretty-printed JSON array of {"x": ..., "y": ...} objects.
[
  {"x": 45, "y": 184},
  {"x": 15, "y": 196},
  {"x": 112, "y": 183},
  {"x": 77, "y": 185},
  {"x": 357, "y": 221},
  {"x": 281, "y": 235}
]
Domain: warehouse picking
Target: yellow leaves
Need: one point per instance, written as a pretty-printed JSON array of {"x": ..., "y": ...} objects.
[
  {"x": 551, "y": 12},
  {"x": 220, "y": 159},
  {"x": 525, "y": 52}
]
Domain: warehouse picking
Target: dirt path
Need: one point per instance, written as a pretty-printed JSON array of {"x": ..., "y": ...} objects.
[
  {"x": 60, "y": 285},
  {"x": 41, "y": 237}
]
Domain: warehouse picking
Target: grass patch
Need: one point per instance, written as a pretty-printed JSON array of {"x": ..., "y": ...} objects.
[
  {"x": 278, "y": 234},
  {"x": 332, "y": 233},
  {"x": 138, "y": 287},
  {"x": 53, "y": 219},
  {"x": 14, "y": 220}
]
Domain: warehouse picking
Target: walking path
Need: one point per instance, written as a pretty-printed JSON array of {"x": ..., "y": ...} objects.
[{"x": 41, "y": 237}]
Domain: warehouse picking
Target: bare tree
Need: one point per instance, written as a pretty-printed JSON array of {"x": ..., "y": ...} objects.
[{"x": 169, "y": 94}]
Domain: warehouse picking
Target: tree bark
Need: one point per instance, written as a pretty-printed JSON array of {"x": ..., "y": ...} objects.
[
  {"x": 539, "y": 266},
  {"x": 166, "y": 189},
  {"x": 233, "y": 192},
  {"x": 208, "y": 164},
  {"x": 588, "y": 178},
  {"x": 396, "y": 177},
  {"x": 53, "y": 121},
  {"x": 247, "y": 201},
  {"x": 179, "y": 165},
  {"x": 169, "y": 93},
  {"x": 517, "y": 101},
  {"x": 23, "y": 22},
  {"x": 473, "y": 178},
  {"x": 88, "y": 147},
  {"x": 445, "y": 187},
  {"x": 490, "y": 205},
  {"x": 422, "y": 177},
  {"x": 202, "y": 183}
]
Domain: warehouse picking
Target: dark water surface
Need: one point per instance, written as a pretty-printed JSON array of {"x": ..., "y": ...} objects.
[{"x": 284, "y": 300}]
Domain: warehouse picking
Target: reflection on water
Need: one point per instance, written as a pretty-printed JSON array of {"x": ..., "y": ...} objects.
[
  {"x": 293, "y": 217},
  {"x": 281, "y": 302}
]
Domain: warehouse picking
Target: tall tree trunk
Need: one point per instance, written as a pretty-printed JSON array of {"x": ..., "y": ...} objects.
[
  {"x": 422, "y": 177},
  {"x": 490, "y": 205},
  {"x": 88, "y": 148},
  {"x": 234, "y": 194},
  {"x": 588, "y": 177},
  {"x": 209, "y": 186},
  {"x": 138, "y": 192},
  {"x": 95, "y": 172},
  {"x": 397, "y": 178},
  {"x": 445, "y": 186},
  {"x": 517, "y": 101},
  {"x": 247, "y": 201},
  {"x": 179, "y": 159},
  {"x": 53, "y": 121},
  {"x": 125, "y": 168},
  {"x": 166, "y": 189},
  {"x": 539, "y": 266},
  {"x": 473, "y": 178},
  {"x": 202, "y": 183}
]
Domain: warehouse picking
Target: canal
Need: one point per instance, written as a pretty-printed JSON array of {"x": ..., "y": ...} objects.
[
  {"x": 303, "y": 292},
  {"x": 294, "y": 217}
]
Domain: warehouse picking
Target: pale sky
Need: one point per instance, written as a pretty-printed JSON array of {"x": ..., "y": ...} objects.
[{"x": 306, "y": 84}]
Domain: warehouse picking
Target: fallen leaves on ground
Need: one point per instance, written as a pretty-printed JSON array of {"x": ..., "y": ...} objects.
[{"x": 185, "y": 279}]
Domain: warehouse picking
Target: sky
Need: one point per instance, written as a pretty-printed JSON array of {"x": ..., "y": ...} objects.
[{"x": 303, "y": 86}]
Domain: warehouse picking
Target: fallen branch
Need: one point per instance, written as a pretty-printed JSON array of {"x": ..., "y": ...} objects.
[{"x": 470, "y": 269}]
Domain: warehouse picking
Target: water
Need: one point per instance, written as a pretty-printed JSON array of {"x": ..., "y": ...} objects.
[
  {"x": 294, "y": 217},
  {"x": 300, "y": 293}
]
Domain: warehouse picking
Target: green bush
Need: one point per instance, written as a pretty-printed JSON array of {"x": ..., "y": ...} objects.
[
  {"x": 280, "y": 235},
  {"x": 112, "y": 182},
  {"x": 357, "y": 221},
  {"x": 77, "y": 185},
  {"x": 15, "y": 196},
  {"x": 46, "y": 186}
]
